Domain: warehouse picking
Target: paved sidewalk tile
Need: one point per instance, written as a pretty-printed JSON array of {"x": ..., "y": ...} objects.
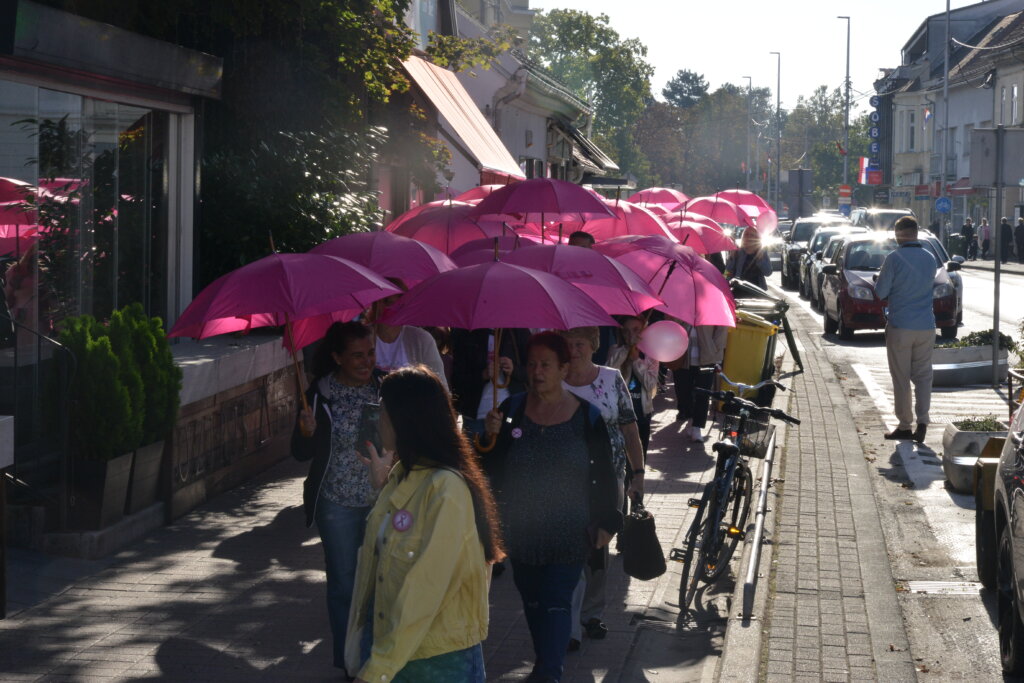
[{"x": 235, "y": 592}]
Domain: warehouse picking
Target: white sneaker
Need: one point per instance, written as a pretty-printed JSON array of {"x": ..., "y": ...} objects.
[{"x": 695, "y": 434}]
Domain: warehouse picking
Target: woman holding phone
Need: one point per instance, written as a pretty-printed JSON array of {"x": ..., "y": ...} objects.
[
  {"x": 337, "y": 494},
  {"x": 420, "y": 610}
]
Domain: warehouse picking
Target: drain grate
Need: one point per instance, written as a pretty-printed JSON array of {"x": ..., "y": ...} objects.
[{"x": 939, "y": 587}]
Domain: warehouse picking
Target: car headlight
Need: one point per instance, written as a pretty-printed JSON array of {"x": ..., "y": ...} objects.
[
  {"x": 945, "y": 289},
  {"x": 863, "y": 293}
]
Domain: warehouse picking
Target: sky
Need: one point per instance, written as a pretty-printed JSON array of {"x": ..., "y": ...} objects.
[{"x": 725, "y": 40}]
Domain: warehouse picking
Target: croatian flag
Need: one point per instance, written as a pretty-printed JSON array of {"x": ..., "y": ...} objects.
[
  {"x": 927, "y": 117},
  {"x": 863, "y": 177}
]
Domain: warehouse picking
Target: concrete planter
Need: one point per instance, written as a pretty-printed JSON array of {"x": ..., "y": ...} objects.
[
  {"x": 145, "y": 477},
  {"x": 960, "y": 450},
  {"x": 956, "y": 367}
]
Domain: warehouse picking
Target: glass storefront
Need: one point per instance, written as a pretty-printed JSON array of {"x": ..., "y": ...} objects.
[{"x": 84, "y": 221}]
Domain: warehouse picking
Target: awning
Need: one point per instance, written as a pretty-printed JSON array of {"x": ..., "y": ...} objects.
[
  {"x": 961, "y": 187},
  {"x": 585, "y": 152},
  {"x": 478, "y": 139}
]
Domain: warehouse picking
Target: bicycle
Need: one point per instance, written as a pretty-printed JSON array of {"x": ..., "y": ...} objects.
[{"x": 721, "y": 512}]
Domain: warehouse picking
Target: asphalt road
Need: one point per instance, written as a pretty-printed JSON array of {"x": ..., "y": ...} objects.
[{"x": 929, "y": 529}]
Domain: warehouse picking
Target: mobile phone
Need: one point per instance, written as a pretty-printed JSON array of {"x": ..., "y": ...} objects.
[{"x": 369, "y": 428}]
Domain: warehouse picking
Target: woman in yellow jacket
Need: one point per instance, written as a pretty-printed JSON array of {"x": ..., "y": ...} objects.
[{"x": 419, "y": 611}]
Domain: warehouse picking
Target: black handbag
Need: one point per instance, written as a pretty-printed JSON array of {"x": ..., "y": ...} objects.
[{"x": 642, "y": 556}]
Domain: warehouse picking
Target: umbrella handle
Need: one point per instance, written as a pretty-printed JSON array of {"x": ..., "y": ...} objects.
[
  {"x": 479, "y": 444},
  {"x": 495, "y": 369},
  {"x": 295, "y": 364}
]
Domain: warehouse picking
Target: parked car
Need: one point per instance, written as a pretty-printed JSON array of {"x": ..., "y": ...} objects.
[
  {"x": 822, "y": 259},
  {"x": 877, "y": 219},
  {"x": 795, "y": 245},
  {"x": 848, "y": 296},
  {"x": 815, "y": 246}
]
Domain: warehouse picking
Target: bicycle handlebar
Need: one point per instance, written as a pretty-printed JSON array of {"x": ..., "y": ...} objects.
[
  {"x": 729, "y": 398},
  {"x": 749, "y": 387}
]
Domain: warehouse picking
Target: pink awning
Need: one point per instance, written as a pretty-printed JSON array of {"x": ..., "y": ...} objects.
[{"x": 443, "y": 89}]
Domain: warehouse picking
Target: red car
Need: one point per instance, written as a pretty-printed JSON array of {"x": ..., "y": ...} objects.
[{"x": 848, "y": 290}]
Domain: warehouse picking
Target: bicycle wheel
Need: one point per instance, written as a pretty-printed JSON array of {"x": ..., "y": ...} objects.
[
  {"x": 694, "y": 544},
  {"x": 734, "y": 514}
]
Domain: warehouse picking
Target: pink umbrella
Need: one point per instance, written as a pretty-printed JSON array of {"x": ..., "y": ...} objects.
[
  {"x": 701, "y": 238},
  {"x": 767, "y": 221},
  {"x": 476, "y": 194},
  {"x": 690, "y": 217},
  {"x": 630, "y": 219},
  {"x": 663, "y": 196},
  {"x": 693, "y": 290},
  {"x": 388, "y": 254},
  {"x": 659, "y": 210},
  {"x": 508, "y": 242},
  {"x": 743, "y": 198},
  {"x": 14, "y": 190},
  {"x": 416, "y": 210},
  {"x": 447, "y": 227},
  {"x": 615, "y": 287},
  {"x": 543, "y": 199},
  {"x": 722, "y": 210},
  {"x": 17, "y": 213}
]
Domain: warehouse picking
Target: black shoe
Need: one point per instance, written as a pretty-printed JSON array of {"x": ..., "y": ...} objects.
[
  {"x": 574, "y": 645},
  {"x": 595, "y": 628},
  {"x": 899, "y": 435},
  {"x": 920, "y": 432}
]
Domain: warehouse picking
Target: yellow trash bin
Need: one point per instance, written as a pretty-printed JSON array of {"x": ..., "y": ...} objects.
[{"x": 749, "y": 352}]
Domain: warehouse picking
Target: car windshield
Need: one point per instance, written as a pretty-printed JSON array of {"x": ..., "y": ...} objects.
[
  {"x": 821, "y": 238},
  {"x": 935, "y": 247},
  {"x": 883, "y": 220},
  {"x": 869, "y": 255},
  {"x": 802, "y": 230}
]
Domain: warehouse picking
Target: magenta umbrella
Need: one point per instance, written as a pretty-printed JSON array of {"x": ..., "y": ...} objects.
[
  {"x": 616, "y": 288},
  {"x": 388, "y": 254},
  {"x": 662, "y": 196},
  {"x": 693, "y": 290},
  {"x": 416, "y": 210},
  {"x": 690, "y": 217},
  {"x": 476, "y": 194},
  {"x": 743, "y": 198},
  {"x": 543, "y": 199},
  {"x": 447, "y": 227},
  {"x": 507, "y": 242},
  {"x": 722, "y": 210},
  {"x": 701, "y": 238},
  {"x": 630, "y": 219}
]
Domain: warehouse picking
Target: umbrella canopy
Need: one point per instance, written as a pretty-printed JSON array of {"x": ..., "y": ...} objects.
[
  {"x": 690, "y": 217},
  {"x": 662, "y": 196},
  {"x": 505, "y": 243},
  {"x": 496, "y": 295},
  {"x": 278, "y": 289},
  {"x": 543, "y": 199},
  {"x": 415, "y": 211},
  {"x": 388, "y": 254},
  {"x": 701, "y": 238},
  {"x": 744, "y": 198},
  {"x": 693, "y": 290},
  {"x": 616, "y": 288},
  {"x": 659, "y": 210},
  {"x": 722, "y": 210},
  {"x": 14, "y": 190},
  {"x": 767, "y": 221},
  {"x": 446, "y": 227},
  {"x": 630, "y": 219},
  {"x": 476, "y": 194}
]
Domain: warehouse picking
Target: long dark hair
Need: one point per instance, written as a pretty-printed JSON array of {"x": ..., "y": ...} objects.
[
  {"x": 427, "y": 435},
  {"x": 337, "y": 339}
]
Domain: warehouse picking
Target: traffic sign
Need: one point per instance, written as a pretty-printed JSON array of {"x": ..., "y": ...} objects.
[
  {"x": 844, "y": 209},
  {"x": 943, "y": 205},
  {"x": 845, "y": 191}
]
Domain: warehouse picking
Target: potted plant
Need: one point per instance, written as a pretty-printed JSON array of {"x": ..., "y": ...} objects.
[
  {"x": 145, "y": 342},
  {"x": 104, "y": 424},
  {"x": 968, "y": 360},
  {"x": 963, "y": 442}
]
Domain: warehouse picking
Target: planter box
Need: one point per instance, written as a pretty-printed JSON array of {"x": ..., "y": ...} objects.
[
  {"x": 960, "y": 450},
  {"x": 956, "y": 367},
  {"x": 100, "y": 489},
  {"x": 145, "y": 477}
]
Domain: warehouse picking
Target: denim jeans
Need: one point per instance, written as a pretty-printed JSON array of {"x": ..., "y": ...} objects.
[
  {"x": 547, "y": 591},
  {"x": 341, "y": 533}
]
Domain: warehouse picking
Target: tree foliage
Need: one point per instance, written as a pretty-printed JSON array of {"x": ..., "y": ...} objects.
[{"x": 685, "y": 89}]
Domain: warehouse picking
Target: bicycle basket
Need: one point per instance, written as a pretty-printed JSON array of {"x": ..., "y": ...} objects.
[{"x": 759, "y": 430}]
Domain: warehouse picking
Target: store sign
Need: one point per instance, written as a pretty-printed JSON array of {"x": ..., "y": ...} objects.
[
  {"x": 922, "y": 192},
  {"x": 874, "y": 177}
]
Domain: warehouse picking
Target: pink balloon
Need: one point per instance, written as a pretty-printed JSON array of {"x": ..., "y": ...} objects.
[{"x": 664, "y": 341}]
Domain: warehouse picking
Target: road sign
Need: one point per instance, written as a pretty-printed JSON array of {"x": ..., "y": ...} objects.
[
  {"x": 943, "y": 204},
  {"x": 844, "y": 209},
  {"x": 845, "y": 191}
]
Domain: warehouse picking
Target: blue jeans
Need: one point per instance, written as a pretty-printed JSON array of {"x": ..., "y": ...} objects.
[
  {"x": 546, "y": 591},
  {"x": 341, "y": 533}
]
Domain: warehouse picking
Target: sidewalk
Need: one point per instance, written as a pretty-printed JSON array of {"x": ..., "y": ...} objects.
[
  {"x": 235, "y": 592},
  {"x": 1011, "y": 267}
]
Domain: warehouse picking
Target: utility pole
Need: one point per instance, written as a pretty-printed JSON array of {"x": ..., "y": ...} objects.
[
  {"x": 846, "y": 123},
  {"x": 945, "y": 121},
  {"x": 997, "y": 252},
  {"x": 747, "y": 171},
  {"x": 778, "y": 130}
]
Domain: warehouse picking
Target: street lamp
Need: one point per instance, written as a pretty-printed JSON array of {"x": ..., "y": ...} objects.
[
  {"x": 778, "y": 130},
  {"x": 746, "y": 170},
  {"x": 846, "y": 124}
]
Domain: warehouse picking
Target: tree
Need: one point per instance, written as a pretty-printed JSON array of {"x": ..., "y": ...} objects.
[
  {"x": 585, "y": 53},
  {"x": 685, "y": 89}
]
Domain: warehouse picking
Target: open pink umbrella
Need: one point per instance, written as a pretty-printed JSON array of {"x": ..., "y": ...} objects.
[
  {"x": 616, "y": 288},
  {"x": 743, "y": 198},
  {"x": 722, "y": 210},
  {"x": 630, "y": 219},
  {"x": 542, "y": 199},
  {"x": 416, "y": 210},
  {"x": 507, "y": 242},
  {"x": 767, "y": 221},
  {"x": 447, "y": 227},
  {"x": 663, "y": 196},
  {"x": 693, "y": 290},
  {"x": 14, "y": 190},
  {"x": 388, "y": 254},
  {"x": 477, "y": 194},
  {"x": 701, "y": 238},
  {"x": 690, "y": 217}
]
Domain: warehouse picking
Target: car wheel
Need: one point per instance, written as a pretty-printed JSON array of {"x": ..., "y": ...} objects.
[
  {"x": 787, "y": 279},
  {"x": 985, "y": 544},
  {"x": 845, "y": 333},
  {"x": 1011, "y": 630},
  {"x": 829, "y": 324},
  {"x": 802, "y": 288},
  {"x": 948, "y": 332}
]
